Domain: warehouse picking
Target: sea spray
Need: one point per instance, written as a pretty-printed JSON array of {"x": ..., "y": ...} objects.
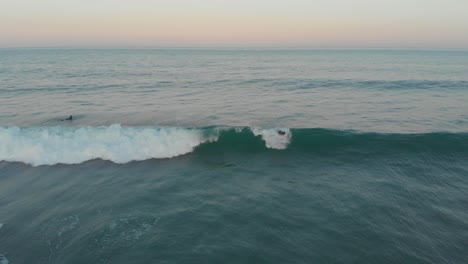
[{"x": 69, "y": 145}]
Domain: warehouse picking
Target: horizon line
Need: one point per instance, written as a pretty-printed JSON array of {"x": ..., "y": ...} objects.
[{"x": 234, "y": 48}]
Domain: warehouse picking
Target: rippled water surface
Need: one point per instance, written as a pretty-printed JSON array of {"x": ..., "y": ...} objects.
[
  {"x": 391, "y": 91},
  {"x": 233, "y": 156}
]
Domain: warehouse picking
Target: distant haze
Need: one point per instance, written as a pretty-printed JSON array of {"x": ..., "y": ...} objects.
[{"x": 426, "y": 24}]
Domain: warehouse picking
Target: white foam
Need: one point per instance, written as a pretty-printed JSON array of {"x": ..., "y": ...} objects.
[
  {"x": 272, "y": 138},
  {"x": 71, "y": 145},
  {"x": 3, "y": 259}
]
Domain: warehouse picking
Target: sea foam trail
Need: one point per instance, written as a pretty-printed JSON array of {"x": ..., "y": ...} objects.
[{"x": 72, "y": 145}]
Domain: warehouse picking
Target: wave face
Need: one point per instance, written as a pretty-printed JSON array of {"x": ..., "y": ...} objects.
[{"x": 71, "y": 145}]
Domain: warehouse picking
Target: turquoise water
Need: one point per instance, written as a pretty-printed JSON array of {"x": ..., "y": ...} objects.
[{"x": 174, "y": 156}]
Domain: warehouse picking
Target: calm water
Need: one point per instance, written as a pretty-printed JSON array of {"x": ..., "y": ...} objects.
[
  {"x": 174, "y": 156},
  {"x": 381, "y": 91}
]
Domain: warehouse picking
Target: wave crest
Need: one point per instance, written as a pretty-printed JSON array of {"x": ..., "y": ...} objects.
[
  {"x": 52, "y": 145},
  {"x": 72, "y": 145}
]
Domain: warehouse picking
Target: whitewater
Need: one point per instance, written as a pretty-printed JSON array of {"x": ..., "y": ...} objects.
[{"x": 72, "y": 145}]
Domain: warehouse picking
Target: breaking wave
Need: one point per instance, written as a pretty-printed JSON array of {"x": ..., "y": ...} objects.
[{"x": 71, "y": 145}]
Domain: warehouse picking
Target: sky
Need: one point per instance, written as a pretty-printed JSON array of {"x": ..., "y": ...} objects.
[{"x": 420, "y": 24}]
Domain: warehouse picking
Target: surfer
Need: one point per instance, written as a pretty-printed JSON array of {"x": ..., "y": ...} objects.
[
  {"x": 281, "y": 133},
  {"x": 70, "y": 118}
]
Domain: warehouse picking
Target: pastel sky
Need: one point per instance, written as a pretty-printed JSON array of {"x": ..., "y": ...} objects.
[{"x": 235, "y": 23}]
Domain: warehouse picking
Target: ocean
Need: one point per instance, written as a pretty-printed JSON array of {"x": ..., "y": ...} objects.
[{"x": 233, "y": 156}]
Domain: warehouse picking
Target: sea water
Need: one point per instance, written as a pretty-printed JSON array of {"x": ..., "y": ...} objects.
[{"x": 233, "y": 156}]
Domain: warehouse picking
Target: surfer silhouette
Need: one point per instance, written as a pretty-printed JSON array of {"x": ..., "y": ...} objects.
[
  {"x": 281, "y": 133},
  {"x": 70, "y": 118}
]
